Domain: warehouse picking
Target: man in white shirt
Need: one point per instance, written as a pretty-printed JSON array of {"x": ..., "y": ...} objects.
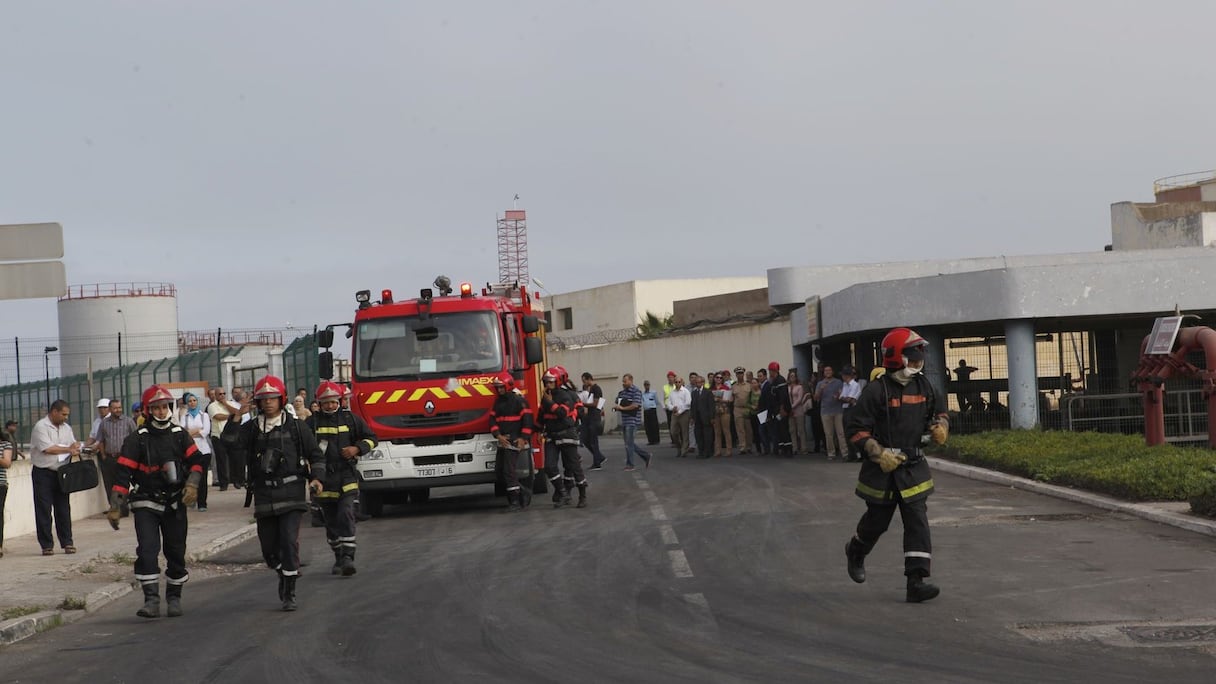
[
  {"x": 679, "y": 401},
  {"x": 52, "y": 443},
  {"x": 849, "y": 395},
  {"x": 220, "y": 410}
]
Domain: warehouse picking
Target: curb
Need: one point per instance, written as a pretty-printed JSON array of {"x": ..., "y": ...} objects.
[
  {"x": 1139, "y": 510},
  {"x": 17, "y": 629}
]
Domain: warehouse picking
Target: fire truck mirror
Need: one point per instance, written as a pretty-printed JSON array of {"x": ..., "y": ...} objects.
[
  {"x": 531, "y": 324},
  {"x": 325, "y": 365},
  {"x": 534, "y": 352},
  {"x": 325, "y": 338}
]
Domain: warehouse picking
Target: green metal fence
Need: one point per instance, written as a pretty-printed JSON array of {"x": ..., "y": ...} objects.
[
  {"x": 300, "y": 368},
  {"x": 27, "y": 402}
]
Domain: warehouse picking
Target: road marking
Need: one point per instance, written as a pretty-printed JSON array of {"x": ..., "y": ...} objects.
[
  {"x": 658, "y": 513},
  {"x": 650, "y": 497},
  {"x": 669, "y": 535},
  {"x": 679, "y": 563},
  {"x": 642, "y": 484},
  {"x": 704, "y": 614}
]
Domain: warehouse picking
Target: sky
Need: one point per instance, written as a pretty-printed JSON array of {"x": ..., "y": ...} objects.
[{"x": 271, "y": 158}]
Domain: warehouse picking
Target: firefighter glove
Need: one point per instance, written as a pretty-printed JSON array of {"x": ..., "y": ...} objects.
[
  {"x": 890, "y": 460},
  {"x": 116, "y": 503},
  {"x": 873, "y": 449},
  {"x": 190, "y": 493},
  {"x": 939, "y": 431}
]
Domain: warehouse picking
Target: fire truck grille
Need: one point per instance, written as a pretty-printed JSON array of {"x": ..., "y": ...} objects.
[{"x": 421, "y": 420}]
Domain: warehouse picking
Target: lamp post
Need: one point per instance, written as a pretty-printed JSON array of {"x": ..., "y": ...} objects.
[
  {"x": 122, "y": 362},
  {"x": 46, "y": 362}
]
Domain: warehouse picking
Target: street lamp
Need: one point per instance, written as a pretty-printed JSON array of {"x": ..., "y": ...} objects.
[
  {"x": 121, "y": 362},
  {"x": 46, "y": 362}
]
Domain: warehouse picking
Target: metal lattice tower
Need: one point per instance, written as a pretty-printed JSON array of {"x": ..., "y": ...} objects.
[{"x": 513, "y": 247}]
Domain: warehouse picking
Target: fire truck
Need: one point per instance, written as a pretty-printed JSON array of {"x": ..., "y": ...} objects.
[{"x": 421, "y": 376}]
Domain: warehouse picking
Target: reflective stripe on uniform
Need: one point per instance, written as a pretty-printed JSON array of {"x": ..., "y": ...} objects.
[
  {"x": 917, "y": 554},
  {"x": 148, "y": 504},
  {"x": 180, "y": 580},
  {"x": 917, "y": 489},
  {"x": 872, "y": 493},
  {"x": 332, "y": 430}
]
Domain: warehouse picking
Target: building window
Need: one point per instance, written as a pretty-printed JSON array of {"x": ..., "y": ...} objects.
[
  {"x": 566, "y": 316},
  {"x": 548, "y": 320}
]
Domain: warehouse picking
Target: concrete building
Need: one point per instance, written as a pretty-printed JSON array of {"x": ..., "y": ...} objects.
[
  {"x": 611, "y": 313},
  {"x": 1090, "y": 310}
]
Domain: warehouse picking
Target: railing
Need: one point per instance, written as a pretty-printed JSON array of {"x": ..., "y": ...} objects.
[
  {"x": 1182, "y": 180},
  {"x": 194, "y": 340},
  {"x": 95, "y": 290},
  {"x": 1186, "y": 417}
]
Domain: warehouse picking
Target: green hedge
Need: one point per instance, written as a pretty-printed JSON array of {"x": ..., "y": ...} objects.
[{"x": 1117, "y": 465}]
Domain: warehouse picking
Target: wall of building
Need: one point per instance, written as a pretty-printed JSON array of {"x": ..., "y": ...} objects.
[
  {"x": 752, "y": 346},
  {"x": 721, "y": 306},
  {"x": 659, "y": 296},
  {"x": 1162, "y": 226}
]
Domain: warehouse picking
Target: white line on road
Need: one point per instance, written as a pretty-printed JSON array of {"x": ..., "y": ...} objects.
[
  {"x": 657, "y": 512},
  {"x": 669, "y": 535},
  {"x": 650, "y": 497},
  {"x": 679, "y": 563}
]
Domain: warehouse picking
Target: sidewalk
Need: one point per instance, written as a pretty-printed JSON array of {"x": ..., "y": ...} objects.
[{"x": 41, "y": 592}]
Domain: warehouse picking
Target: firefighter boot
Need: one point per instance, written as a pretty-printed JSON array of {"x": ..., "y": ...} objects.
[
  {"x": 919, "y": 590},
  {"x": 282, "y": 584},
  {"x": 173, "y": 596},
  {"x": 857, "y": 560},
  {"x": 151, "y": 607},
  {"x": 513, "y": 503},
  {"x": 348, "y": 563},
  {"x": 525, "y": 497},
  {"x": 337, "y": 569},
  {"x": 558, "y": 494},
  {"x": 582, "y": 496},
  {"x": 567, "y": 490},
  {"x": 289, "y": 592}
]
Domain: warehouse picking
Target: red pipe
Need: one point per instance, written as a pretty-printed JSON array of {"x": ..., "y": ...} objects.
[{"x": 1154, "y": 370}]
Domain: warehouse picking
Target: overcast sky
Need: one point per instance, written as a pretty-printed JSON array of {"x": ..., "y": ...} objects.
[{"x": 298, "y": 151}]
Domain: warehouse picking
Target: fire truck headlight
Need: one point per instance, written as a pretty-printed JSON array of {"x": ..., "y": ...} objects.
[{"x": 489, "y": 446}]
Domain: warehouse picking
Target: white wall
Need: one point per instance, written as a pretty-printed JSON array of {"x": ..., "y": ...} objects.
[
  {"x": 19, "y": 508},
  {"x": 659, "y": 296},
  {"x": 752, "y": 346}
]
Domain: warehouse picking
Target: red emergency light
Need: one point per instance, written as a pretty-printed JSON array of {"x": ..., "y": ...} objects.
[
  {"x": 386, "y": 296},
  {"x": 466, "y": 289}
]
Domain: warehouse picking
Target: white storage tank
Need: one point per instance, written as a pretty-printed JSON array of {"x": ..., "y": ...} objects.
[{"x": 92, "y": 316}]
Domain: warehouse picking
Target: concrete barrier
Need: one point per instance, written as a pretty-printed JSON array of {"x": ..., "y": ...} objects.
[{"x": 19, "y": 508}]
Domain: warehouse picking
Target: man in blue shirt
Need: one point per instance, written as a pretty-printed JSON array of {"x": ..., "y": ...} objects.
[
  {"x": 629, "y": 405},
  {"x": 650, "y": 413}
]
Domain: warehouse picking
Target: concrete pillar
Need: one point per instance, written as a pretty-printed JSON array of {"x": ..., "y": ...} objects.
[
  {"x": 228, "y": 372},
  {"x": 1023, "y": 375},
  {"x": 935, "y": 364}
]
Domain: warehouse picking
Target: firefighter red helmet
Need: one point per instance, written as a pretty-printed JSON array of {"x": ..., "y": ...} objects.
[
  {"x": 560, "y": 374},
  {"x": 346, "y": 391},
  {"x": 900, "y": 346},
  {"x": 269, "y": 386},
  {"x": 153, "y": 395},
  {"x": 504, "y": 379},
  {"x": 328, "y": 391}
]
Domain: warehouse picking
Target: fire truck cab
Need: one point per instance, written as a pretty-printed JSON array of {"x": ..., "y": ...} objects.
[{"x": 421, "y": 377}]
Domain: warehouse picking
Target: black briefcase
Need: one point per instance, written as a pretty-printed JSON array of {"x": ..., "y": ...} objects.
[{"x": 77, "y": 476}]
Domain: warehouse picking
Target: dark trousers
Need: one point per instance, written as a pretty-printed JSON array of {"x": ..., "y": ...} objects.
[
  {"x": 821, "y": 440},
  {"x": 779, "y": 434},
  {"x": 590, "y": 437},
  {"x": 50, "y": 498},
  {"x": 670, "y": 434},
  {"x": 3, "y": 496},
  {"x": 340, "y": 523},
  {"x": 704, "y": 431},
  {"x": 917, "y": 546},
  {"x": 202, "y": 487},
  {"x": 764, "y": 438},
  {"x": 567, "y": 455},
  {"x": 279, "y": 536},
  {"x": 219, "y": 454},
  {"x": 154, "y": 532},
  {"x": 650, "y": 418},
  {"x": 107, "y": 464}
]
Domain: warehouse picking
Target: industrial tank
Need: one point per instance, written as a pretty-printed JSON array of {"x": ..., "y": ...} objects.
[{"x": 91, "y": 317}]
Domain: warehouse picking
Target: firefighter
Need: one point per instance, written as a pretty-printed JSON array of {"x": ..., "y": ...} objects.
[
  {"x": 559, "y": 419},
  {"x": 282, "y": 460},
  {"x": 511, "y": 424},
  {"x": 343, "y": 437},
  {"x": 158, "y": 474},
  {"x": 779, "y": 411},
  {"x": 895, "y": 415}
]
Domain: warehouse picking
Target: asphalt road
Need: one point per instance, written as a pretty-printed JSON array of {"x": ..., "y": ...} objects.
[{"x": 692, "y": 570}]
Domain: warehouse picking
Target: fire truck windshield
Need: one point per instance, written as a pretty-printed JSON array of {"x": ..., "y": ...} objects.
[{"x": 408, "y": 348}]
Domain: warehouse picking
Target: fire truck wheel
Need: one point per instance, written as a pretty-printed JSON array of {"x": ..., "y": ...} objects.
[{"x": 373, "y": 504}]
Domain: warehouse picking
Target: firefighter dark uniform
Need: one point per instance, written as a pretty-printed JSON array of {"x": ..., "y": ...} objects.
[
  {"x": 343, "y": 437},
  {"x": 152, "y": 472},
  {"x": 889, "y": 424},
  {"x": 511, "y": 424},
  {"x": 281, "y": 452},
  {"x": 558, "y": 414},
  {"x": 779, "y": 412}
]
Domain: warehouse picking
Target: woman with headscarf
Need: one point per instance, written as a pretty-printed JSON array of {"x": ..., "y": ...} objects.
[{"x": 197, "y": 424}]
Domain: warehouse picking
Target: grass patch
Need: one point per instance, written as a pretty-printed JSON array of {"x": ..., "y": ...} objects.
[
  {"x": 1117, "y": 465},
  {"x": 88, "y": 569},
  {"x": 120, "y": 557},
  {"x": 72, "y": 603},
  {"x": 18, "y": 611}
]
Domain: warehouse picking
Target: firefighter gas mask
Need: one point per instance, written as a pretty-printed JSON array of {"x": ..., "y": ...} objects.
[
  {"x": 914, "y": 364},
  {"x": 329, "y": 406}
]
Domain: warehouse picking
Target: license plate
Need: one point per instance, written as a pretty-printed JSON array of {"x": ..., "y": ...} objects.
[
  {"x": 435, "y": 472},
  {"x": 373, "y": 473}
]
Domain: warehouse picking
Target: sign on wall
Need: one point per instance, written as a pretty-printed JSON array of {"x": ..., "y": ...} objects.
[{"x": 812, "y": 317}]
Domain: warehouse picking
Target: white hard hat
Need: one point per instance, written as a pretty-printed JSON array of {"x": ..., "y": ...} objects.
[{"x": 103, "y": 403}]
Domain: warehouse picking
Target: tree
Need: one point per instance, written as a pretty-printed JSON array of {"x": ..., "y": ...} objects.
[{"x": 653, "y": 325}]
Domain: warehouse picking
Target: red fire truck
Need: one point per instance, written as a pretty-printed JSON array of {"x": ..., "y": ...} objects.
[{"x": 421, "y": 376}]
